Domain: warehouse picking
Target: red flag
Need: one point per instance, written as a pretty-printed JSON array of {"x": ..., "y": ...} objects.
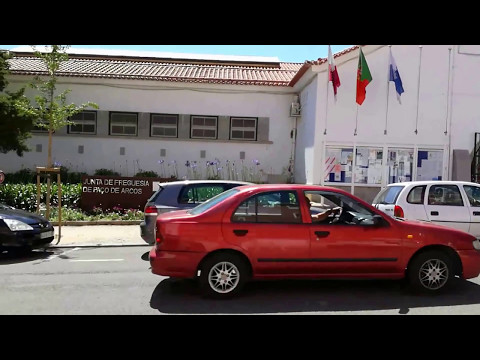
[
  {"x": 332, "y": 73},
  {"x": 363, "y": 78}
]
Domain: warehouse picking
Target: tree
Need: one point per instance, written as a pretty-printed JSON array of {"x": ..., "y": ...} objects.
[
  {"x": 51, "y": 111},
  {"x": 15, "y": 124}
]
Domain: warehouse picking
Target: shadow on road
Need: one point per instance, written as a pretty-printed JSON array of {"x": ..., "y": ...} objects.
[
  {"x": 145, "y": 257},
  {"x": 174, "y": 296},
  {"x": 13, "y": 257}
]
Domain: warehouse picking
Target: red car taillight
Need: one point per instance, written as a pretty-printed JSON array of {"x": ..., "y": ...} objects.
[
  {"x": 398, "y": 212},
  {"x": 150, "y": 210},
  {"x": 158, "y": 237}
]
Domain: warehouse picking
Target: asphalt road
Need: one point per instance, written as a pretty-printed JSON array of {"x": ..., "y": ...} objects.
[{"x": 117, "y": 281}]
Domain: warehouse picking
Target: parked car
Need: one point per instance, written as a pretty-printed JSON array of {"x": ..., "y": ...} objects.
[
  {"x": 22, "y": 231},
  {"x": 454, "y": 204},
  {"x": 241, "y": 235},
  {"x": 177, "y": 195}
]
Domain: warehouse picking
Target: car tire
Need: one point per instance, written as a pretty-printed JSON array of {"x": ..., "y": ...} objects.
[
  {"x": 223, "y": 276},
  {"x": 430, "y": 272}
]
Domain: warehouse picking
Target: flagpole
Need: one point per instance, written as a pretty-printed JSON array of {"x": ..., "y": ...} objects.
[
  {"x": 388, "y": 88},
  {"x": 448, "y": 88},
  {"x": 326, "y": 105},
  {"x": 356, "y": 123},
  {"x": 418, "y": 89}
]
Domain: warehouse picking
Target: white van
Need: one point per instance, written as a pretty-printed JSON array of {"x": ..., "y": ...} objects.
[{"x": 454, "y": 204}]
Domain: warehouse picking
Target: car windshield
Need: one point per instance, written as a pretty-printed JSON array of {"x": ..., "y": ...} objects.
[
  {"x": 388, "y": 196},
  {"x": 212, "y": 202}
]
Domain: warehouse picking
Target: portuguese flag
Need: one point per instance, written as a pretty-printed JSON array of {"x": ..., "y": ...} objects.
[{"x": 363, "y": 78}]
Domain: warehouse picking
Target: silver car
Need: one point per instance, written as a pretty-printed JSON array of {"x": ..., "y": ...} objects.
[{"x": 180, "y": 195}]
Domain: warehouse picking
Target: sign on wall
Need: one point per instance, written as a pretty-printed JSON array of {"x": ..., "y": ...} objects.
[{"x": 107, "y": 192}]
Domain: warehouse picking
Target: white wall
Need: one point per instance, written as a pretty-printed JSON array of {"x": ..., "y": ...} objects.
[
  {"x": 437, "y": 113},
  {"x": 162, "y": 97},
  {"x": 307, "y": 133},
  {"x": 402, "y": 118},
  {"x": 465, "y": 107},
  {"x": 342, "y": 117}
]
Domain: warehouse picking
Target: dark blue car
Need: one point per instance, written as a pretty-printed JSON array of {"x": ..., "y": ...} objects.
[
  {"x": 23, "y": 231},
  {"x": 180, "y": 195}
]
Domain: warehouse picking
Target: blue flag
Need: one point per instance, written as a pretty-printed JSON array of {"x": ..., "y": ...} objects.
[{"x": 395, "y": 77}]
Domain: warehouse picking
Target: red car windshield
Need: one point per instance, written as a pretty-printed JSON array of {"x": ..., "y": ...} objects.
[{"x": 212, "y": 202}]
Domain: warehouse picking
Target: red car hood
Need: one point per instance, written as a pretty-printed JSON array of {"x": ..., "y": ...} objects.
[
  {"x": 430, "y": 226},
  {"x": 441, "y": 231}
]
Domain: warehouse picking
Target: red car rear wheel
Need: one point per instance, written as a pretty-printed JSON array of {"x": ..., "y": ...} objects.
[{"x": 223, "y": 275}]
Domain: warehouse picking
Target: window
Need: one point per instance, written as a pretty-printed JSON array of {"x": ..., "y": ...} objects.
[
  {"x": 203, "y": 127},
  {"x": 163, "y": 125},
  {"x": 272, "y": 207},
  {"x": 388, "y": 196},
  {"x": 123, "y": 123},
  {"x": 243, "y": 128},
  {"x": 199, "y": 193},
  {"x": 416, "y": 195},
  {"x": 368, "y": 166},
  {"x": 400, "y": 165},
  {"x": 473, "y": 194},
  {"x": 338, "y": 165},
  {"x": 430, "y": 165},
  {"x": 207, "y": 205},
  {"x": 85, "y": 123},
  {"x": 448, "y": 195},
  {"x": 353, "y": 212}
]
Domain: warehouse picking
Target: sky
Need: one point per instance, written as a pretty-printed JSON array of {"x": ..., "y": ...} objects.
[{"x": 285, "y": 53}]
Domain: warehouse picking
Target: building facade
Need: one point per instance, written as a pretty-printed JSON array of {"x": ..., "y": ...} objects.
[
  {"x": 236, "y": 118},
  {"x": 428, "y": 134},
  {"x": 200, "y": 118}
]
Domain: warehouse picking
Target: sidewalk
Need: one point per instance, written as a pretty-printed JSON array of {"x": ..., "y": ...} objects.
[{"x": 98, "y": 235}]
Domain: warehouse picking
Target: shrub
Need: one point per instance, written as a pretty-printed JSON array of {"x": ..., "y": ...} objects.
[
  {"x": 152, "y": 174},
  {"x": 24, "y": 176},
  {"x": 24, "y": 196},
  {"x": 106, "y": 172}
]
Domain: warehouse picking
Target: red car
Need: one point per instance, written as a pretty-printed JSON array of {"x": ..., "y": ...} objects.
[{"x": 265, "y": 231}]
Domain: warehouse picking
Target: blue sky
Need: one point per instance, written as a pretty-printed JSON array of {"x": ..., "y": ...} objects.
[{"x": 285, "y": 53}]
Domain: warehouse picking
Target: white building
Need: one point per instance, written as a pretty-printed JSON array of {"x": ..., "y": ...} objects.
[
  {"x": 429, "y": 135},
  {"x": 157, "y": 109}
]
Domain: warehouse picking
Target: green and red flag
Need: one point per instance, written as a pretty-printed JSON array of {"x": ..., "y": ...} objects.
[{"x": 363, "y": 78}]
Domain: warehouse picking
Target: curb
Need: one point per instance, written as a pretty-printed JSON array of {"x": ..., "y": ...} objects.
[
  {"x": 60, "y": 246},
  {"x": 100, "y": 222}
]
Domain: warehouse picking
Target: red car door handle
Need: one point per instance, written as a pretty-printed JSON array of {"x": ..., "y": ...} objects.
[
  {"x": 434, "y": 213},
  {"x": 240, "y": 232},
  {"x": 322, "y": 233}
]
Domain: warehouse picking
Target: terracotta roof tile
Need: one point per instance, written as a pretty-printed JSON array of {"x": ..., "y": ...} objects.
[
  {"x": 308, "y": 64},
  {"x": 336, "y": 55},
  {"x": 279, "y": 74}
]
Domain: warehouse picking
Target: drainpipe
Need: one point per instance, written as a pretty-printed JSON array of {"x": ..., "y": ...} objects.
[
  {"x": 293, "y": 134},
  {"x": 294, "y": 145},
  {"x": 450, "y": 103}
]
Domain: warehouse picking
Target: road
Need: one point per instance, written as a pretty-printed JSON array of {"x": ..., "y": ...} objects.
[{"x": 117, "y": 281}]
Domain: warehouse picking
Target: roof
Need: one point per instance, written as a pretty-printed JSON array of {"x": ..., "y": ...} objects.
[
  {"x": 308, "y": 64},
  {"x": 159, "y": 69},
  {"x": 170, "y": 67},
  {"x": 435, "y": 182},
  {"x": 307, "y": 187},
  {"x": 189, "y": 182},
  {"x": 156, "y": 55}
]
